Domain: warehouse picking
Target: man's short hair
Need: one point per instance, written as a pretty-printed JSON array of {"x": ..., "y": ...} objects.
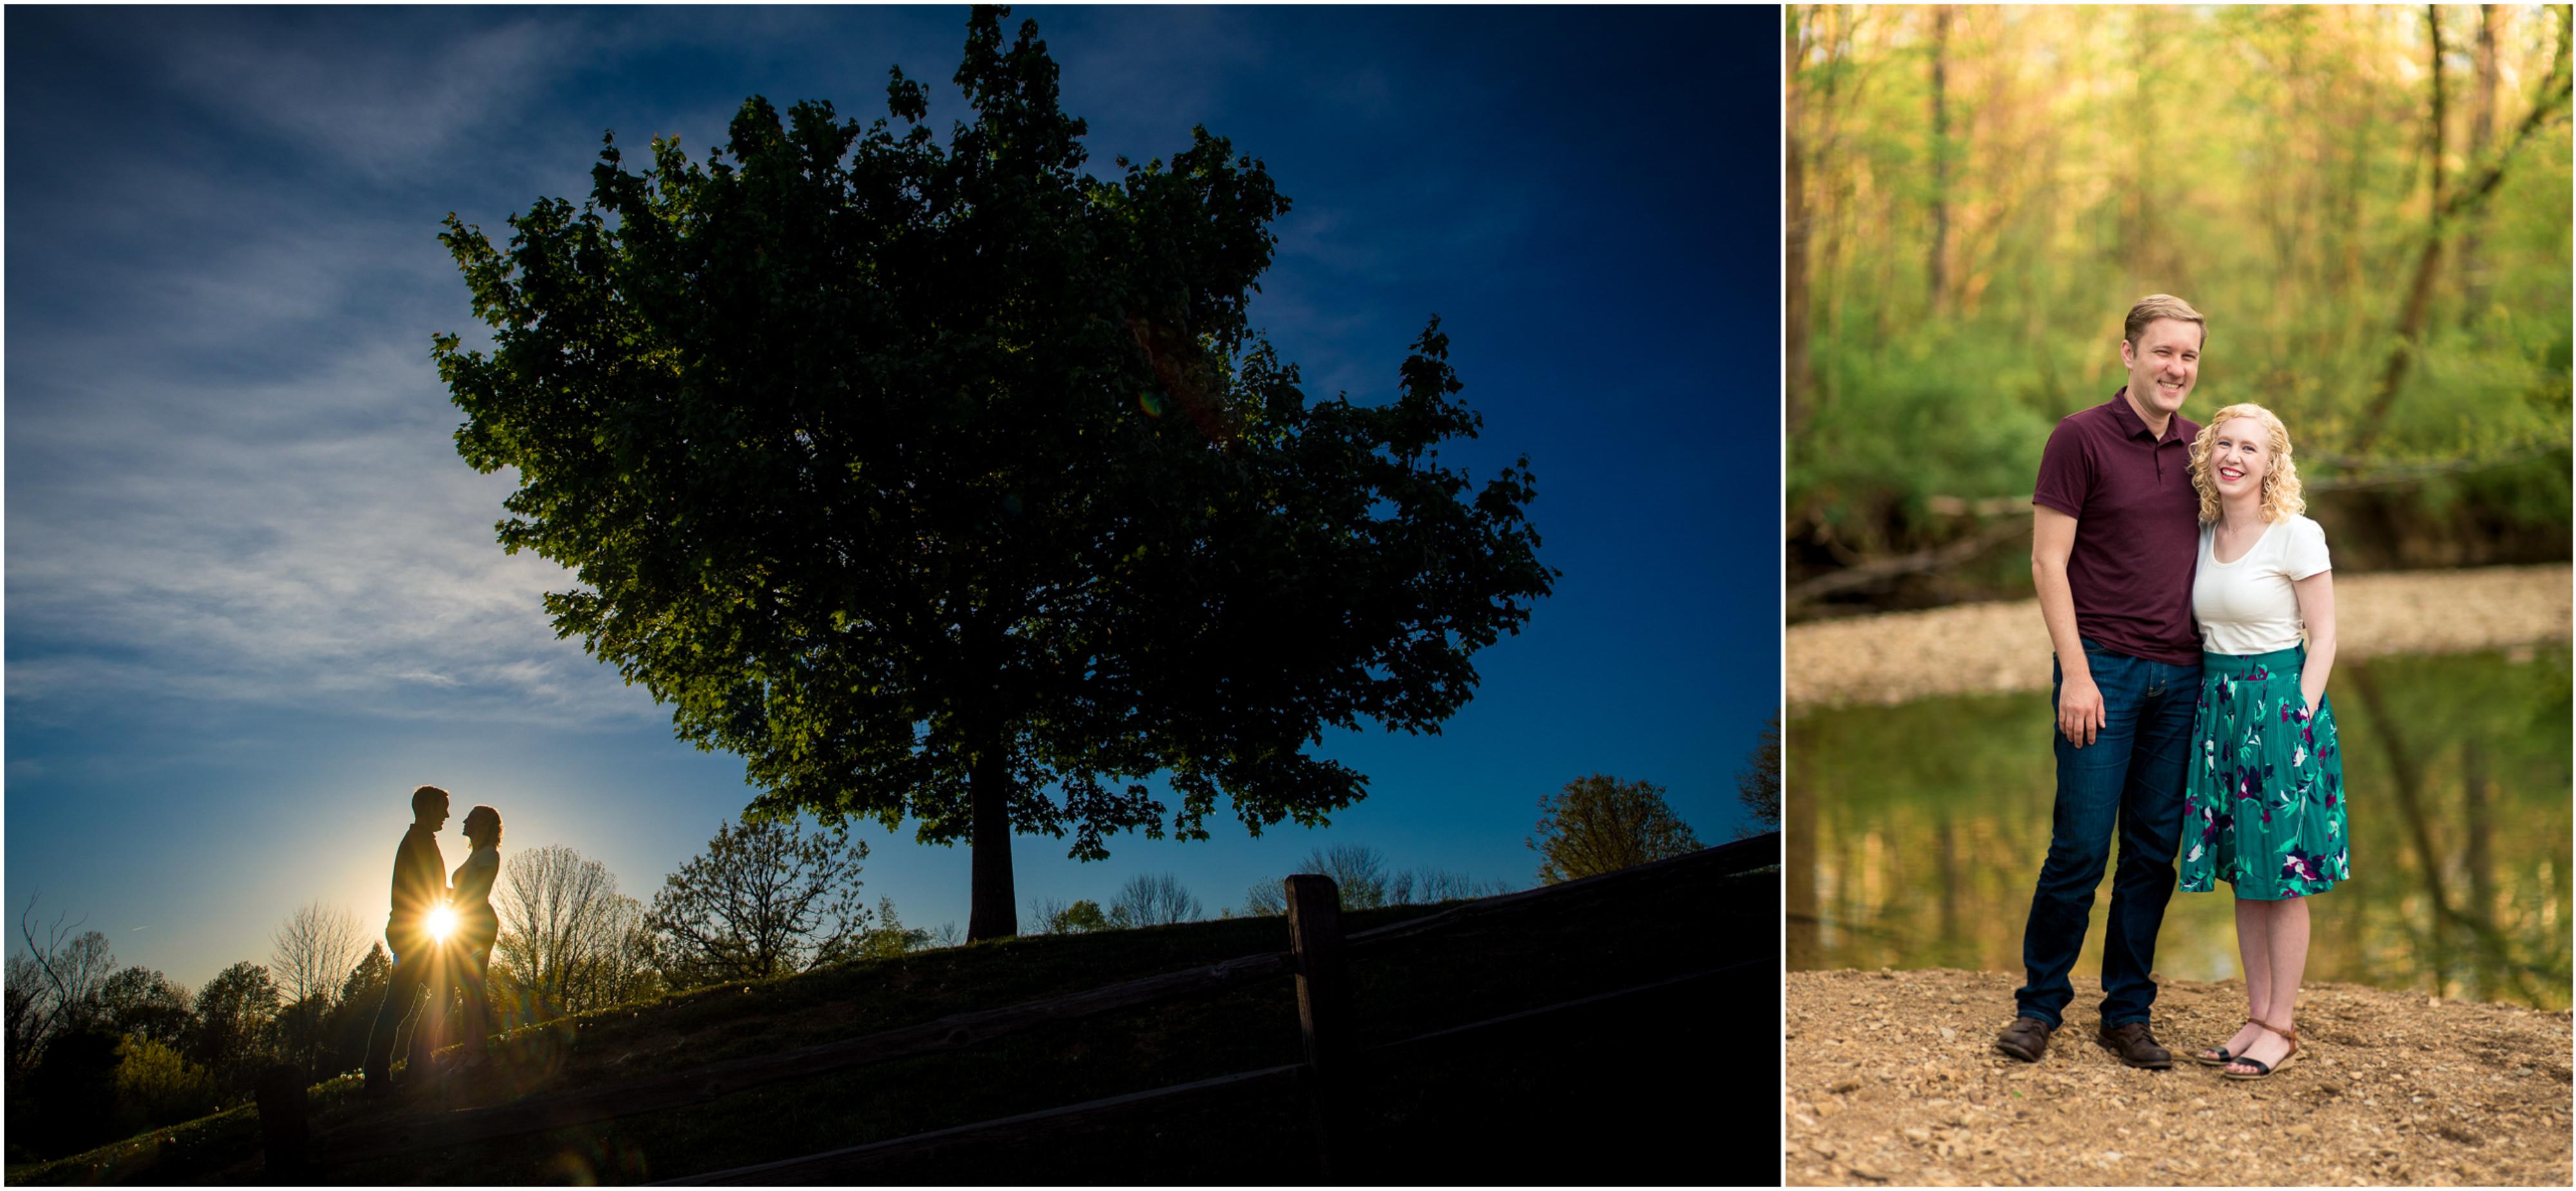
[
  {"x": 423, "y": 797},
  {"x": 2156, "y": 306}
]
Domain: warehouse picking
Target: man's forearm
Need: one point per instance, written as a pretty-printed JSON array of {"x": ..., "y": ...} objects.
[{"x": 2057, "y": 609}]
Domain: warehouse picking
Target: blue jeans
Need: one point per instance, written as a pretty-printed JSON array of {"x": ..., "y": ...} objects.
[{"x": 2131, "y": 775}]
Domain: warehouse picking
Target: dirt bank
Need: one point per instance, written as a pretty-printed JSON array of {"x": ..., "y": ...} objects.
[
  {"x": 1892, "y": 1077},
  {"x": 1999, "y": 647}
]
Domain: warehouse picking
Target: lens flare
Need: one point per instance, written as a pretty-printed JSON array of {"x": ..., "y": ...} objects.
[{"x": 441, "y": 923}]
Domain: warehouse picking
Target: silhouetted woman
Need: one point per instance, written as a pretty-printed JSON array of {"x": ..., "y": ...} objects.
[{"x": 476, "y": 925}]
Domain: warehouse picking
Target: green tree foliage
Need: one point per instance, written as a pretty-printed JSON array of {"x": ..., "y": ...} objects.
[
  {"x": 155, "y": 1086},
  {"x": 236, "y": 1025},
  {"x": 1052, "y": 916},
  {"x": 141, "y": 1003},
  {"x": 947, "y": 482},
  {"x": 1600, "y": 824},
  {"x": 763, "y": 900},
  {"x": 1757, "y": 785},
  {"x": 2369, "y": 203},
  {"x": 889, "y": 937}
]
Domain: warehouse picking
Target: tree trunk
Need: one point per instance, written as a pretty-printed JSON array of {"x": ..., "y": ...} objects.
[
  {"x": 994, "y": 911},
  {"x": 2482, "y": 114},
  {"x": 2466, "y": 200},
  {"x": 1936, "y": 263},
  {"x": 1793, "y": 234}
]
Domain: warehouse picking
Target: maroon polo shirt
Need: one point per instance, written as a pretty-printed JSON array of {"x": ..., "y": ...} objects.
[{"x": 2137, "y": 532}]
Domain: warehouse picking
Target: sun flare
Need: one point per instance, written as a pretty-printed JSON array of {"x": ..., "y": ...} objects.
[{"x": 442, "y": 921}]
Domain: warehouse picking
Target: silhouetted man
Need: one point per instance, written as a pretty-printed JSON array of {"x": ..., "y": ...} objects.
[{"x": 420, "y": 886}]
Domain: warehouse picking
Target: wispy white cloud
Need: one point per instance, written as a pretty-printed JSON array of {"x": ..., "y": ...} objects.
[
  {"x": 311, "y": 550},
  {"x": 384, "y": 107}
]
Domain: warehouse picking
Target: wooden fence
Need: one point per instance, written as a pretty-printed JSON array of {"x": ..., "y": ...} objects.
[{"x": 1317, "y": 956}]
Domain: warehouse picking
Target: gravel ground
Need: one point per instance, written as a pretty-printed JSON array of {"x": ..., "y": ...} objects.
[
  {"x": 1892, "y": 1078},
  {"x": 1993, "y": 648}
]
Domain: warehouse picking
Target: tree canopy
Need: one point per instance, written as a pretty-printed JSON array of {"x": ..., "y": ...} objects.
[
  {"x": 763, "y": 900},
  {"x": 949, "y": 482},
  {"x": 1599, "y": 824},
  {"x": 2369, "y": 203}
]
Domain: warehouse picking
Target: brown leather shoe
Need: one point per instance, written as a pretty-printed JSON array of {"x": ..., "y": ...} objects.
[
  {"x": 2025, "y": 1039},
  {"x": 2135, "y": 1046}
]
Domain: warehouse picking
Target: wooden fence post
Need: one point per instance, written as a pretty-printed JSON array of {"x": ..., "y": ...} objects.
[
  {"x": 281, "y": 1121},
  {"x": 1323, "y": 1009}
]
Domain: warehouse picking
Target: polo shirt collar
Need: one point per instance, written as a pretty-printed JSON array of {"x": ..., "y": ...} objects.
[{"x": 2133, "y": 426}]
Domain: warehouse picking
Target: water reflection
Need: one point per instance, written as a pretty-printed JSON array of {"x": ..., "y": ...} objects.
[{"x": 1930, "y": 821}]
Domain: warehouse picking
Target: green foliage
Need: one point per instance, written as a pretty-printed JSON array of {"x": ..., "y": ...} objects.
[
  {"x": 889, "y": 937},
  {"x": 142, "y": 1003},
  {"x": 1546, "y": 956},
  {"x": 928, "y": 478},
  {"x": 236, "y": 1025},
  {"x": 763, "y": 900},
  {"x": 2279, "y": 167},
  {"x": 156, "y": 1087},
  {"x": 1599, "y": 824},
  {"x": 1082, "y": 917}
]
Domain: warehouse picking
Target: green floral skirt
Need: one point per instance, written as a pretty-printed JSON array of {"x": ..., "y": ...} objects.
[{"x": 2263, "y": 805}]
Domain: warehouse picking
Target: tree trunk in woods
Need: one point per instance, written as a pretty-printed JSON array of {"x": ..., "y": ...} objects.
[
  {"x": 994, "y": 909},
  {"x": 1935, "y": 270},
  {"x": 2467, "y": 199},
  {"x": 2482, "y": 114},
  {"x": 1793, "y": 231}
]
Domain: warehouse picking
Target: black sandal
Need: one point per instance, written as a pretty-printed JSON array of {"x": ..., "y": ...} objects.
[
  {"x": 2222, "y": 1058},
  {"x": 2263, "y": 1070}
]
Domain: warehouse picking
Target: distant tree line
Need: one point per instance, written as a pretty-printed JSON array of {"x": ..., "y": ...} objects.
[{"x": 97, "y": 1052}]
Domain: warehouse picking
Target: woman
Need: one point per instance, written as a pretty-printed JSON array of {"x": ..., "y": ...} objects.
[
  {"x": 2263, "y": 805},
  {"x": 476, "y": 925}
]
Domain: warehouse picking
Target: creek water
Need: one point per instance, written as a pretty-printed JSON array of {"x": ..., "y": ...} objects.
[{"x": 1924, "y": 826}]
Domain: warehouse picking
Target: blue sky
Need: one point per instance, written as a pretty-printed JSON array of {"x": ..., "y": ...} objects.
[{"x": 252, "y": 594}]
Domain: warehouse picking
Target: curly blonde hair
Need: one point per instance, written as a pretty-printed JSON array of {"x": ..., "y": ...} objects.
[{"x": 2281, "y": 498}]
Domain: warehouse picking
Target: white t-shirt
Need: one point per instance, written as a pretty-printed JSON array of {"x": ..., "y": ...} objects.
[{"x": 2248, "y": 606}]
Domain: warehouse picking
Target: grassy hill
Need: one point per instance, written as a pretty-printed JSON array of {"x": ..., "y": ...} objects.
[{"x": 1618, "y": 1093}]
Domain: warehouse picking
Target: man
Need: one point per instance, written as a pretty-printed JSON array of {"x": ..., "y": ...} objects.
[
  {"x": 420, "y": 886},
  {"x": 2116, "y": 531}
]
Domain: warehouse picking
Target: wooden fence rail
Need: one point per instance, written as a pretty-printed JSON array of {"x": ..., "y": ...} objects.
[
  {"x": 1316, "y": 957},
  {"x": 539, "y": 1114},
  {"x": 858, "y": 1162}
]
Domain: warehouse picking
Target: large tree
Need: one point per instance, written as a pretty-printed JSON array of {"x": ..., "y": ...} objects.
[{"x": 947, "y": 482}]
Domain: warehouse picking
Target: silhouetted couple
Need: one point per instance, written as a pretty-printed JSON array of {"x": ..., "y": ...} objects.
[{"x": 440, "y": 933}]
